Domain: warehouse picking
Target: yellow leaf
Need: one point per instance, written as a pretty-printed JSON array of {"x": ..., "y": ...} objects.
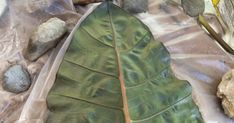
[{"x": 215, "y": 4}]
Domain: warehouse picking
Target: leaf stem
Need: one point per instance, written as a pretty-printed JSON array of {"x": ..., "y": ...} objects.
[{"x": 203, "y": 21}]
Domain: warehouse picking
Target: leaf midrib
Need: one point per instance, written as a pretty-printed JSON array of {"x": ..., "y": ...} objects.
[{"x": 120, "y": 73}]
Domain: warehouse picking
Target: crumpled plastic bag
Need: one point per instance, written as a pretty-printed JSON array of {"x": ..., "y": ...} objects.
[
  {"x": 35, "y": 109},
  {"x": 17, "y": 23},
  {"x": 226, "y": 10},
  {"x": 196, "y": 57}
]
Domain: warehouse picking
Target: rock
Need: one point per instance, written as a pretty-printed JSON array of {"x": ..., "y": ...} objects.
[
  {"x": 193, "y": 7},
  {"x": 135, "y": 6},
  {"x": 226, "y": 93},
  {"x": 45, "y": 37},
  {"x": 16, "y": 79}
]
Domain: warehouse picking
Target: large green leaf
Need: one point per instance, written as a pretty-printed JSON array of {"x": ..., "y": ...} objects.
[{"x": 115, "y": 72}]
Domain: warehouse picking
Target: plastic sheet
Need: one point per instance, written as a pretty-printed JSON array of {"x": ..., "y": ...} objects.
[
  {"x": 35, "y": 109},
  {"x": 226, "y": 9},
  {"x": 18, "y": 21},
  {"x": 196, "y": 57}
]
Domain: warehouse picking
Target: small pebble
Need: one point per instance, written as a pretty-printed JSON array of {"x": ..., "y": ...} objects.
[
  {"x": 193, "y": 7},
  {"x": 135, "y": 6},
  {"x": 45, "y": 37},
  {"x": 16, "y": 79}
]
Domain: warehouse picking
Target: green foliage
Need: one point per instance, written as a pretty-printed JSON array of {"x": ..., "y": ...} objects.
[{"x": 111, "y": 47}]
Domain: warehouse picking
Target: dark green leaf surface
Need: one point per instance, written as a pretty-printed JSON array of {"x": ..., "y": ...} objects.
[{"x": 111, "y": 47}]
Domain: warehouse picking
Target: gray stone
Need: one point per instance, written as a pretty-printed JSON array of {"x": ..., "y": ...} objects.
[
  {"x": 193, "y": 7},
  {"x": 16, "y": 79},
  {"x": 135, "y": 6},
  {"x": 226, "y": 93},
  {"x": 45, "y": 37}
]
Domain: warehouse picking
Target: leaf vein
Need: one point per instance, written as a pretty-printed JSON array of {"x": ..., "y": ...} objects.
[
  {"x": 126, "y": 51},
  {"x": 96, "y": 38},
  {"x": 96, "y": 71},
  {"x": 112, "y": 107},
  {"x": 148, "y": 80},
  {"x": 162, "y": 111}
]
